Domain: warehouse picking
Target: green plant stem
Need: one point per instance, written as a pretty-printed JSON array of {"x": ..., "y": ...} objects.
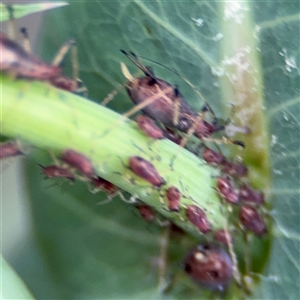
[{"x": 53, "y": 119}]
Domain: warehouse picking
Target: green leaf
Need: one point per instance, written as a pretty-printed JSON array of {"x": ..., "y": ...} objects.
[
  {"x": 22, "y": 10},
  {"x": 94, "y": 255},
  {"x": 12, "y": 287}
]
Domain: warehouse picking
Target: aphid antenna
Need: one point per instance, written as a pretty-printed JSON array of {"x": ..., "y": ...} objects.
[
  {"x": 59, "y": 57},
  {"x": 185, "y": 80},
  {"x": 12, "y": 31},
  {"x": 26, "y": 39}
]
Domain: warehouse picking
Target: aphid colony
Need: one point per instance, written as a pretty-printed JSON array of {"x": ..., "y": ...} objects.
[{"x": 167, "y": 115}]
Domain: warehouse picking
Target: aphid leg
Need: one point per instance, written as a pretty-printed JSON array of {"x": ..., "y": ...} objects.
[
  {"x": 112, "y": 94},
  {"x": 163, "y": 258},
  {"x": 176, "y": 106},
  {"x": 26, "y": 40},
  {"x": 236, "y": 272},
  {"x": 11, "y": 23},
  {"x": 62, "y": 52}
]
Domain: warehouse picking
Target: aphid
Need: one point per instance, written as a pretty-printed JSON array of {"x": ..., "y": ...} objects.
[
  {"x": 248, "y": 194},
  {"x": 252, "y": 220},
  {"x": 54, "y": 171},
  {"x": 213, "y": 157},
  {"x": 9, "y": 149},
  {"x": 78, "y": 161},
  {"x": 210, "y": 266},
  {"x": 144, "y": 169},
  {"x": 173, "y": 196},
  {"x": 19, "y": 63},
  {"x": 227, "y": 191},
  {"x": 198, "y": 217},
  {"x": 148, "y": 126},
  {"x": 104, "y": 185},
  {"x": 234, "y": 169},
  {"x": 146, "y": 212},
  {"x": 223, "y": 236}
]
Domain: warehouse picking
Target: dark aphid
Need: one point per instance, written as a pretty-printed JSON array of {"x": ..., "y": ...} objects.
[
  {"x": 9, "y": 149},
  {"x": 209, "y": 266},
  {"x": 54, "y": 171},
  {"x": 198, "y": 217},
  {"x": 252, "y": 220},
  {"x": 234, "y": 169},
  {"x": 172, "y": 135},
  {"x": 223, "y": 236},
  {"x": 144, "y": 169},
  {"x": 173, "y": 196},
  {"x": 227, "y": 191},
  {"x": 146, "y": 212},
  {"x": 104, "y": 185},
  {"x": 148, "y": 126},
  {"x": 64, "y": 83},
  {"x": 78, "y": 161},
  {"x": 15, "y": 60},
  {"x": 213, "y": 157},
  {"x": 250, "y": 195}
]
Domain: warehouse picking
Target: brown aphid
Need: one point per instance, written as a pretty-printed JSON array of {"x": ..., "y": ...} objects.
[
  {"x": 252, "y": 220},
  {"x": 227, "y": 191},
  {"x": 144, "y": 169},
  {"x": 9, "y": 149},
  {"x": 213, "y": 157},
  {"x": 198, "y": 217},
  {"x": 173, "y": 196},
  {"x": 223, "y": 236},
  {"x": 64, "y": 83},
  {"x": 146, "y": 212},
  {"x": 78, "y": 161},
  {"x": 104, "y": 185},
  {"x": 148, "y": 126},
  {"x": 234, "y": 169},
  {"x": 248, "y": 194},
  {"x": 15, "y": 60},
  {"x": 210, "y": 266},
  {"x": 54, "y": 171}
]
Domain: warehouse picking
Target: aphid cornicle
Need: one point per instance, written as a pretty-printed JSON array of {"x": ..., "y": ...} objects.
[
  {"x": 54, "y": 171},
  {"x": 148, "y": 126},
  {"x": 78, "y": 161},
  {"x": 9, "y": 149},
  {"x": 198, "y": 217},
  {"x": 173, "y": 196},
  {"x": 210, "y": 266},
  {"x": 252, "y": 220},
  {"x": 144, "y": 169}
]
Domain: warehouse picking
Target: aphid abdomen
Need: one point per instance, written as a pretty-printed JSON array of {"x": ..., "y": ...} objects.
[
  {"x": 209, "y": 266},
  {"x": 144, "y": 169},
  {"x": 9, "y": 149},
  {"x": 148, "y": 126},
  {"x": 54, "y": 171},
  {"x": 173, "y": 196},
  {"x": 198, "y": 217}
]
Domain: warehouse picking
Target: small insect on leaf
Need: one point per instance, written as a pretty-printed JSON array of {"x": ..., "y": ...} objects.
[
  {"x": 248, "y": 194},
  {"x": 78, "y": 161},
  {"x": 198, "y": 217},
  {"x": 234, "y": 169},
  {"x": 16, "y": 61},
  {"x": 173, "y": 136},
  {"x": 9, "y": 149},
  {"x": 173, "y": 196},
  {"x": 227, "y": 191},
  {"x": 210, "y": 266},
  {"x": 104, "y": 185},
  {"x": 223, "y": 236},
  {"x": 144, "y": 169},
  {"x": 148, "y": 126},
  {"x": 146, "y": 212},
  {"x": 213, "y": 157},
  {"x": 252, "y": 220},
  {"x": 54, "y": 171}
]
